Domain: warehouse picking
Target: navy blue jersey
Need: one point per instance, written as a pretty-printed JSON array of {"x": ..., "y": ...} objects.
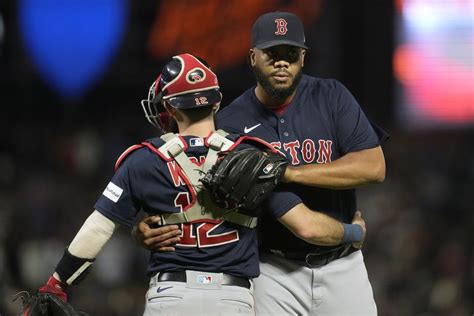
[
  {"x": 145, "y": 181},
  {"x": 322, "y": 123}
]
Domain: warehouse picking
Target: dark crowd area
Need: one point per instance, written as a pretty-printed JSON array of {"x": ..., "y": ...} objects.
[{"x": 57, "y": 155}]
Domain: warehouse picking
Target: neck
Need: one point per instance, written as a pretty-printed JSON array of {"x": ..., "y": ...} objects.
[
  {"x": 200, "y": 128},
  {"x": 269, "y": 101}
]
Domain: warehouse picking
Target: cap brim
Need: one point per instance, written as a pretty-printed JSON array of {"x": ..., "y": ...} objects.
[
  {"x": 188, "y": 101},
  {"x": 279, "y": 42}
]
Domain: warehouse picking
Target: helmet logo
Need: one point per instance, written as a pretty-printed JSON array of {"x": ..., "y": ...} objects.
[{"x": 195, "y": 75}]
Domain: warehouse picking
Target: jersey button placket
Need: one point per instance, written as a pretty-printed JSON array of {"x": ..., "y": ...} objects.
[{"x": 282, "y": 121}]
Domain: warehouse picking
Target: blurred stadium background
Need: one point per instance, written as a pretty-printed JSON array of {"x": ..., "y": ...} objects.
[{"x": 72, "y": 76}]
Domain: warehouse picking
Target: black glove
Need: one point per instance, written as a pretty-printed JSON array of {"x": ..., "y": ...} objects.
[
  {"x": 244, "y": 178},
  {"x": 45, "y": 304}
]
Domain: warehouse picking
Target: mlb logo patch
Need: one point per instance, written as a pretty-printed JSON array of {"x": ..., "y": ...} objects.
[
  {"x": 204, "y": 279},
  {"x": 268, "y": 168},
  {"x": 193, "y": 142}
]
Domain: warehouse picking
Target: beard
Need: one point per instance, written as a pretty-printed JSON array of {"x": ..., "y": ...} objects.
[{"x": 274, "y": 91}]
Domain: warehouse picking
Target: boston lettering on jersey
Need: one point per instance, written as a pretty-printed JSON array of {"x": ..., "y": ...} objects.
[{"x": 307, "y": 150}]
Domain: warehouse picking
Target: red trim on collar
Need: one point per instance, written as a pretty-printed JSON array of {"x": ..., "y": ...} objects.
[{"x": 282, "y": 108}]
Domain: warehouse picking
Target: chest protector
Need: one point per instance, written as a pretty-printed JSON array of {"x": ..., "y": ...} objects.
[{"x": 202, "y": 208}]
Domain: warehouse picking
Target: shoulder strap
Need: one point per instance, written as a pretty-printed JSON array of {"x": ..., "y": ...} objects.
[
  {"x": 217, "y": 142},
  {"x": 167, "y": 136},
  {"x": 174, "y": 148}
]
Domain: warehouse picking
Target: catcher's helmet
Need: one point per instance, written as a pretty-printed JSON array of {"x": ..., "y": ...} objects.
[{"x": 185, "y": 82}]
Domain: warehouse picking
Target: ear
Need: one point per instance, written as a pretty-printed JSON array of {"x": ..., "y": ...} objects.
[
  {"x": 303, "y": 53},
  {"x": 251, "y": 57}
]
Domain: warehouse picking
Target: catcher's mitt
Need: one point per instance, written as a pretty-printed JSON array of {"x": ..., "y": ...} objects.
[
  {"x": 45, "y": 304},
  {"x": 244, "y": 178}
]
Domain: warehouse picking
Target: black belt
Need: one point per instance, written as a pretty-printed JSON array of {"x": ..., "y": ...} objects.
[
  {"x": 317, "y": 259},
  {"x": 180, "y": 276}
]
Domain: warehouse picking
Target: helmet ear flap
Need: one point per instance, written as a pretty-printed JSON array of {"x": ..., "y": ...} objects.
[
  {"x": 162, "y": 117},
  {"x": 155, "y": 113},
  {"x": 158, "y": 93},
  {"x": 164, "y": 121}
]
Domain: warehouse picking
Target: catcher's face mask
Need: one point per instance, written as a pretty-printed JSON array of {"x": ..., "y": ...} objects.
[
  {"x": 154, "y": 110},
  {"x": 185, "y": 82}
]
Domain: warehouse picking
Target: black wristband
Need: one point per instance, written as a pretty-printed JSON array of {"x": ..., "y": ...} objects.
[{"x": 72, "y": 269}]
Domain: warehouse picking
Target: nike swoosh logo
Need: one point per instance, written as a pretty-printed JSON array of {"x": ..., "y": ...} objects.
[
  {"x": 161, "y": 289},
  {"x": 248, "y": 130}
]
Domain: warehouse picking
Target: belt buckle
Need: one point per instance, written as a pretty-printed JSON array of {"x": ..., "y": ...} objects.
[
  {"x": 326, "y": 256},
  {"x": 319, "y": 264}
]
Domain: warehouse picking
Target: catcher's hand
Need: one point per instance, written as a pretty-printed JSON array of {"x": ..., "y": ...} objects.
[
  {"x": 45, "y": 304},
  {"x": 244, "y": 178},
  {"x": 50, "y": 300}
]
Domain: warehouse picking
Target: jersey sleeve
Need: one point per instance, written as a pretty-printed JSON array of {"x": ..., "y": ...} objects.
[
  {"x": 354, "y": 130},
  {"x": 120, "y": 199},
  {"x": 280, "y": 202}
]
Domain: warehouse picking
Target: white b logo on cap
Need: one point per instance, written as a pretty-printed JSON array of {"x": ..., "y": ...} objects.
[{"x": 281, "y": 26}]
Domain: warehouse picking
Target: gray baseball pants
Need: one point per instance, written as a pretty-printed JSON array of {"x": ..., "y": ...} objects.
[
  {"x": 201, "y": 294},
  {"x": 339, "y": 288}
]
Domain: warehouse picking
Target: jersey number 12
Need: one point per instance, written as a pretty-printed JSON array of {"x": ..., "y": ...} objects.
[{"x": 201, "y": 234}]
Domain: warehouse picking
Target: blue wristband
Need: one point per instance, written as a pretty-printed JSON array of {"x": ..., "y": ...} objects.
[{"x": 352, "y": 233}]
